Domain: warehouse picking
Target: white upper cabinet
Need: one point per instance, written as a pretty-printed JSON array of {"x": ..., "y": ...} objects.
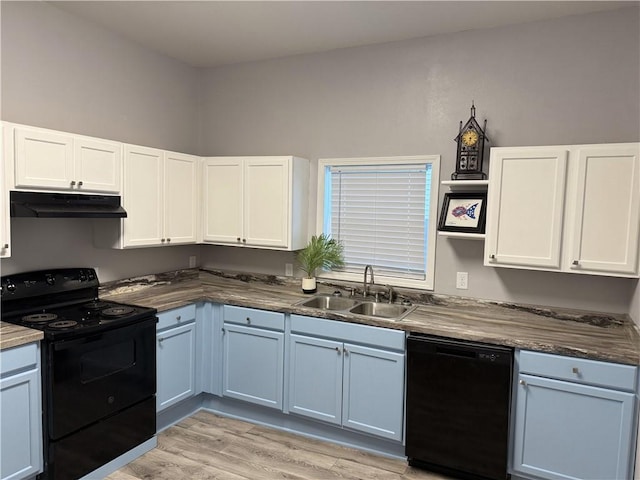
[
  {"x": 97, "y": 164},
  {"x": 607, "y": 219},
  {"x": 181, "y": 193},
  {"x": 256, "y": 201},
  {"x": 526, "y": 207},
  {"x": 46, "y": 159},
  {"x": 223, "y": 195},
  {"x": 566, "y": 208},
  {"x": 160, "y": 196},
  {"x": 143, "y": 196},
  {"x": 7, "y": 171}
]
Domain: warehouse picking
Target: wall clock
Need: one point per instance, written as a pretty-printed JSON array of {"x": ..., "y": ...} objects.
[{"x": 470, "y": 153}]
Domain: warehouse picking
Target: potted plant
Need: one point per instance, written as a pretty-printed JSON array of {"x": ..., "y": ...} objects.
[{"x": 321, "y": 252}]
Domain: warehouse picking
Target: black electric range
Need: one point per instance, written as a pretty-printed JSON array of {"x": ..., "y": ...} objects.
[{"x": 98, "y": 367}]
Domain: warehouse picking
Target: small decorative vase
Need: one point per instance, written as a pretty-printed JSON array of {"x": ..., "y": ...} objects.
[{"x": 309, "y": 285}]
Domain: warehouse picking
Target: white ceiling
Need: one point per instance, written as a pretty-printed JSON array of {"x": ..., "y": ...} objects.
[{"x": 214, "y": 33}]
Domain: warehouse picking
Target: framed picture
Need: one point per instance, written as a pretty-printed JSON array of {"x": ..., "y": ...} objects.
[{"x": 463, "y": 212}]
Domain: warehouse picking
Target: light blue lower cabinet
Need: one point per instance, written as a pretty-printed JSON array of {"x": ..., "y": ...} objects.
[
  {"x": 358, "y": 387},
  {"x": 373, "y": 392},
  {"x": 569, "y": 430},
  {"x": 176, "y": 365},
  {"x": 253, "y": 365},
  {"x": 315, "y": 378},
  {"x": 21, "y": 412}
]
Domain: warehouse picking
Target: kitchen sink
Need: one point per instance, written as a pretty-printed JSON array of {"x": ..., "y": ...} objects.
[
  {"x": 388, "y": 311},
  {"x": 384, "y": 310},
  {"x": 327, "y": 302}
]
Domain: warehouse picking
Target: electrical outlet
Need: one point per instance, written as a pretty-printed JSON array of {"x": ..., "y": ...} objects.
[
  {"x": 288, "y": 269},
  {"x": 192, "y": 261},
  {"x": 462, "y": 280}
]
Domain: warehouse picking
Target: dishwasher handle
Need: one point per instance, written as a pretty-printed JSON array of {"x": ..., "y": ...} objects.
[
  {"x": 432, "y": 346},
  {"x": 456, "y": 352}
]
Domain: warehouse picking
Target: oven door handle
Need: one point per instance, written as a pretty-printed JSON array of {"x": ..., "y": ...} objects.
[{"x": 66, "y": 344}]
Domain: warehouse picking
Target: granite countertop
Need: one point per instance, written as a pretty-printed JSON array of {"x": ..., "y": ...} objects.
[
  {"x": 594, "y": 335},
  {"x": 14, "y": 335}
]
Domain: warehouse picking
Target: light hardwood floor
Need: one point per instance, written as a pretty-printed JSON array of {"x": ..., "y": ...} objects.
[{"x": 207, "y": 446}]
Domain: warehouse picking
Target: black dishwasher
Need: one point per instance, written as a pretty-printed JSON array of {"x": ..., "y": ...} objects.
[{"x": 458, "y": 403}]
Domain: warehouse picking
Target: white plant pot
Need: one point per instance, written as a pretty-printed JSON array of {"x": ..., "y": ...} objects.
[{"x": 309, "y": 285}]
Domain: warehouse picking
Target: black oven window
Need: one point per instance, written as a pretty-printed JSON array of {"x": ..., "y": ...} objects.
[{"x": 105, "y": 361}]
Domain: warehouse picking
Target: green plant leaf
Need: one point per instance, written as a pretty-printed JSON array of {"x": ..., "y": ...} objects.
[{"x": 321, "y": 252}]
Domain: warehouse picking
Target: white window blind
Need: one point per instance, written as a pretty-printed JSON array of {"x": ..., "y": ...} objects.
[{"x": 380, "y": 213}]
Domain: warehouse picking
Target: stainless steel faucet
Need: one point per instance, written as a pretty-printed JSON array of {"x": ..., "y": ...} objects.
[{"x": 365, "y": 289}]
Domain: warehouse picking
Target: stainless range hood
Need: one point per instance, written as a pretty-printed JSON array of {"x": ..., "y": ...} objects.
[{"x": 65, "y": 205}]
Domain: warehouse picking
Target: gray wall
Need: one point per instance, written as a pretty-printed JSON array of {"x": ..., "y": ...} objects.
[
  {"x": 572, "y": 80},
  {"x": 63, "y": 73}
]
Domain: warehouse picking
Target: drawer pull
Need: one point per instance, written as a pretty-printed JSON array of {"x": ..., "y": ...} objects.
[
  {"x": 576, "y": 370},
  {"x": 178, "y": 318},
  {"x": 248, "y": 320},
  {"x": 523, "y": 383}
]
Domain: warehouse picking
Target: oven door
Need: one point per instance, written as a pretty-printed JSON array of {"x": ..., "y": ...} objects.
[{"x": 96, "y": 376}]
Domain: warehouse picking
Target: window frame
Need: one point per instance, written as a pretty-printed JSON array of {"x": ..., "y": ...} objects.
[{"x": 430, "y": 261}]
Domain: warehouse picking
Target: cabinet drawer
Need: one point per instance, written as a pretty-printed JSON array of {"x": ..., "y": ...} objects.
[
  {"x": 175, "y": 317},
  {"x": 349, "y": 332},
  {"x": 18, "y": 358},
  {"x": 253, "y": 317},
  {"x": 579, "y": 370}
]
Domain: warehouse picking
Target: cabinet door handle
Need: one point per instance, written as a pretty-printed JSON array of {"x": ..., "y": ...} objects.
[
  {"x": 575, "y": 370},
  {"x": 492, "y": 257},
  {"x": 73, "y": 182},
  {"x": 178, "y": 318},
  {"x": 6, "y": 245},
  {"x": 523, "y": 383},
  {"x": 162, "y": 240},
  {"x": 224, "y": 331},
  {"x": 244, "y": 240},
  {"x": 575, "y": 263},
  {"x": 237, "y": 239},
  {"x": 168, "y": 239},
  {"x": 248, "y": 320},
  {"x": 80, "y": 183},
  {"x": 346, "y": 352},
  {"x": 160, "y": 340},
  {"x": 338, "y": 350}
]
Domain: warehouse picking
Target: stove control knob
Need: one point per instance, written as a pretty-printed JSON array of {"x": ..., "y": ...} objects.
[
  {"x": 91, "y": 275},
  {"x": 82, "y": 277},
  {"x": 50, "y": 279},
  {"x": 11, "y": 287}
]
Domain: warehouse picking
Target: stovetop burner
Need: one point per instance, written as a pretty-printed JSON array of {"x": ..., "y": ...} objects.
[
  {"x": 62, "y": 324},
  {"x": 117, "y": 311},
  {"x": 39, "y": 318},
  {"x": 96, "y": 305}
]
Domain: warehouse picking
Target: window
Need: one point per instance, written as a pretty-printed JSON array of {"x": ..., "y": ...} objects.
[{"x": 384, "y": 211}]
